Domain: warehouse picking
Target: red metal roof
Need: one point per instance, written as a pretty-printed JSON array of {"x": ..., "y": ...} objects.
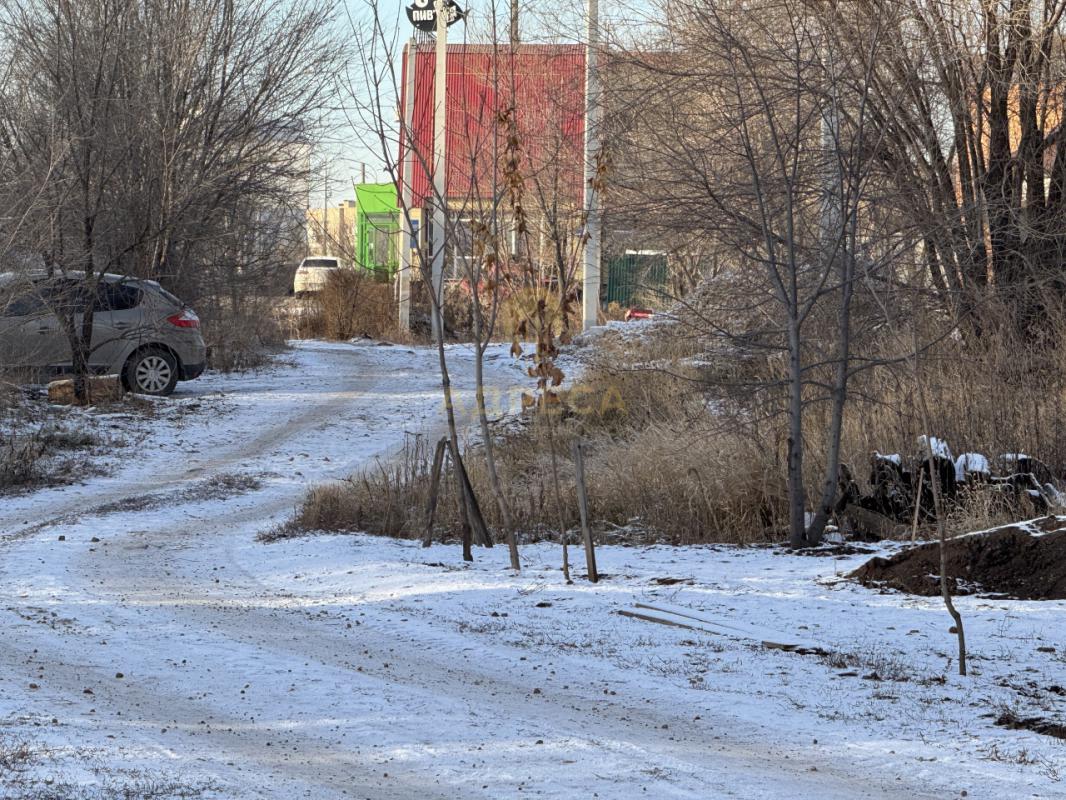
[{"x": 546, "y": 86}]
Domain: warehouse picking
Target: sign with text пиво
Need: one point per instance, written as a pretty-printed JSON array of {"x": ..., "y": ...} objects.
[{"x": 423, "y": 14}]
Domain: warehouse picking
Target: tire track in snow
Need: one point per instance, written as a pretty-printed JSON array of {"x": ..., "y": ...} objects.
[
  {"x": 164, "y": 584},
  {"x": 272, "y": 435}
]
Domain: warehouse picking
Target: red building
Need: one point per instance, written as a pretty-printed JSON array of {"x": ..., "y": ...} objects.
[{"x": 545, "y": 87}]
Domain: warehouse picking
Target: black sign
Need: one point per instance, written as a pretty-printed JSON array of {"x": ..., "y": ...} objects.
[{"x": 423, "y": 14}]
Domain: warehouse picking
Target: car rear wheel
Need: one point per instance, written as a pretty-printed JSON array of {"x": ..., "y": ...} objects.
[{"x": 153, "y": 371}]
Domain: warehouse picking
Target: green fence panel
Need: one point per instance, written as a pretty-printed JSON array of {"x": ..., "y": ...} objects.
[{"x": 637, "y": 279}]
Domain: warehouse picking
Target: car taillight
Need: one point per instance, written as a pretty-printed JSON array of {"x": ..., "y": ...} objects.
[{"x": 186, "y": 318}]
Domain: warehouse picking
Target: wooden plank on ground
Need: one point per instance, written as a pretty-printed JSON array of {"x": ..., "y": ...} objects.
[
  {"x": 678, "y": 615},
  {"x": 660, "y": 620}
]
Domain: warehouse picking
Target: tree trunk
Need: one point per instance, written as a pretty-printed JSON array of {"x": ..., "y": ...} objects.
[
  {"x": 490, "y": 449},
  {"x": 797, "y": 522},
  {"x": 434, "y": 491},
  {"x": 558, "y": 493},
  {"x": 470, "y": 504},
  {"x": 466, "y": 492},
  {"x": 583, "y": 507},
  {"x": 938, "y": 510},
  {"x": 840, "y": 395}
]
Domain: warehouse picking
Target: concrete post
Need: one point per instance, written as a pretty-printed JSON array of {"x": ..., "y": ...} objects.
[
  {"x": 403, "y": 279},
  {"x": 590, "y": 304},
  {"x": 440, "y": 168}
]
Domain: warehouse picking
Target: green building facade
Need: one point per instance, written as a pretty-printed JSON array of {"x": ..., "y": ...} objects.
[{"x": 377, "y": 236}]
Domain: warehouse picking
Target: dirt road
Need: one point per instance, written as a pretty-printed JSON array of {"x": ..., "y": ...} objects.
[{"x": 158, "y": 641}]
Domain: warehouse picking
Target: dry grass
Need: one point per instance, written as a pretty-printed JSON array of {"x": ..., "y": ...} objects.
[
  {"x": 654, "y": 484},
  {"x": 991, "y": 397},
  {"x": 37, "y": 456},
  {"x": 686, "y": 440},
  {"x": 614, "y": 312},
  {"x": 656, "y": 468},
  {"x": 519, "y": 311},
  {"x": 16, "y": 755},
  {"x": 388, "y": 499},
  {"x": 352, "y": 304},
  {"x": 689, "y": 486},
  {"x": 30, "y": 770},
  {"x": 993, "y": 400},
  {"x": 241, "y": 338}
]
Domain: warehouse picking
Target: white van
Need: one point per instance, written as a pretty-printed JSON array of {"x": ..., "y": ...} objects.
[{"x": 313, "y": 272}]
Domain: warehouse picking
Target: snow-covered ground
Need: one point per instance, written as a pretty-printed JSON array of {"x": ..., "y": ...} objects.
[{"x": 149, "y": 640}]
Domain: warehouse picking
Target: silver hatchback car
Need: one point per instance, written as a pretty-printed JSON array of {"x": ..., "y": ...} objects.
[{"x": 140, "y": 330}]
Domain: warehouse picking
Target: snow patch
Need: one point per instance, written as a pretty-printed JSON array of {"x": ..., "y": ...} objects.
[
  {"x": 971, "y": 462},
  {"x": 938, "y": 446}
]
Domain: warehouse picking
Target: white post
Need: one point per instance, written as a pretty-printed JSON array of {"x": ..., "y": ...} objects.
[
  {"x": 440, "y": 167},
  {"x": 590, "y": 303},
  {"x": 403, "y": 280}
]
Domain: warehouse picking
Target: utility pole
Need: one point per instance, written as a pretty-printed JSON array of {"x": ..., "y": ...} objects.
[
  {"x": 326, "y": 238},
  {"x": 590, "y": 300},
  {"x": 403, "y": 279},
  {"x": 514, "y": 22},
  {"x": 440, "y": 168}
]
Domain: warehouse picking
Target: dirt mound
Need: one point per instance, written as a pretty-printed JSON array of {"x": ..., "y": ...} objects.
[
  {"x": 1008, "y": 719},
  {"x": 1025, "y": 563}
]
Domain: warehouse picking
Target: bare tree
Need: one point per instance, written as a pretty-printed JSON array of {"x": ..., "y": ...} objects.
[
  {"x": 158, "y": 135},
  {"x": 970, "y": 98},
  {"x": 757, "y": 142},
  {"x": 490, "y": 122},
  {"x": 372, "y": 87}
]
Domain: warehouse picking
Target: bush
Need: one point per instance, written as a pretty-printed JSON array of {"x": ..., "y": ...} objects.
[
  {"x": 243, "y": 337},
  {"x": 646, "y": 480},
  {"x": 34, "y": 455},
  {"x": 687, "y": 438},
  {"x": 351, "y": 304}
]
